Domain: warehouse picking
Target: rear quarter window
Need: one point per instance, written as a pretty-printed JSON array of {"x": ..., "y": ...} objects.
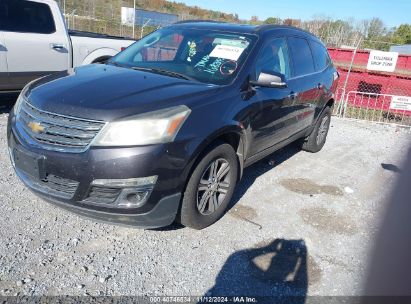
[
  {"x": 26, "y": 17},
  {"x": 302, "y": 58},
  {"x": 321, "y": 57}
]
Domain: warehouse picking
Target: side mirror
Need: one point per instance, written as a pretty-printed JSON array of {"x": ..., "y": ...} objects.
[{"x": 270, "y": 80}]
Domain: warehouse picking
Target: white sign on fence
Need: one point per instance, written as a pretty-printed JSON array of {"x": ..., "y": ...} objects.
[
  {"x": 401, "y": 103},
  {"x": 382, "y": 61},
  {"x": 127, "y": 15}
]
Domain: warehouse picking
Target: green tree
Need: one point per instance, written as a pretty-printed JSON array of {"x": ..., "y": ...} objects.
[
  {"x": 272, "y": 20},
  {"x": 378, "y": 37},
  {"x": 255, "y": 20},
  {"x": 376, "y": 28},
  {"x": 402, "y": 35}
]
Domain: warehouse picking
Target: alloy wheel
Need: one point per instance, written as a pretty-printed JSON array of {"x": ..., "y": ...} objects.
[
  {"x": 213, "y": 187},
  {"x": 322, "y": 130}
]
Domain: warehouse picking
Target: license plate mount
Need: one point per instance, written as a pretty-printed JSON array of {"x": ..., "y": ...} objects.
[{"x": 29, "y": 163}]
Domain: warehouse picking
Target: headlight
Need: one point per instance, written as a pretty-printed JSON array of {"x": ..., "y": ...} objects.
[
  {"x": 22, "y": 97},
  {"x": 146, "y": 129},
  {"x": 20, "y": 100},
  {"x": 18, "y": 104}
]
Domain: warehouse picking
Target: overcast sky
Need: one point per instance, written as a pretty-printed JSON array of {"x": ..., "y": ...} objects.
[{"x": 393, "y": 12}]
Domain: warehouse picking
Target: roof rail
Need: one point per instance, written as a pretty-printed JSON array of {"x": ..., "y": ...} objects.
[
  {"x": 198, "y": 20},
  {"x": 283, "y": 26}
]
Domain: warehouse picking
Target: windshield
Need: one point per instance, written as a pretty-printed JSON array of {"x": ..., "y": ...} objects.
[{"x": 201, "y": 55}]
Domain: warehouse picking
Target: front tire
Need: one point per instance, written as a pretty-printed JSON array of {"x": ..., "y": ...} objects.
[
  {"x": 315, "y": 142},
  {"x": 210, "y": 188}
]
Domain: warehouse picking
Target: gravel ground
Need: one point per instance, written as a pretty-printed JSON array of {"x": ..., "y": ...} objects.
[{"x": 300, "y": 224}]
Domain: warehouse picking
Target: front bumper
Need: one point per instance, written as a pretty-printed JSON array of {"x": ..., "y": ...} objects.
[
  {"x": 78, "y": 170},
  {"x": 163, "y": 214}
]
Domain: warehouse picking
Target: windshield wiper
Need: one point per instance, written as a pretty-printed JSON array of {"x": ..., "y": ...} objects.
[{"x": 164, "y": 72}]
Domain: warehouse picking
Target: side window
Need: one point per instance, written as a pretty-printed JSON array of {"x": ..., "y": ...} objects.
[
  {"x": 26, "y": 17},
  {"x": 274, "y": 57},
  {"x": 164, "y": 49},
  {"x": 302, "y": 57},
  {"x": 320, "y": 55}
]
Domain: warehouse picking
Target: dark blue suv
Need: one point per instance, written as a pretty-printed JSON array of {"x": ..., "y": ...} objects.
[{"x": 163, "y": 130}]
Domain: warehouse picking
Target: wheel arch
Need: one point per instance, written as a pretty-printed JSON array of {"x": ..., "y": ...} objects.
[
  {"x": 320, "y": 110},
  {"x": 232, "y": 135},
  {"x": 330, "y": 103},
  {"x": 101, "y": 53}
]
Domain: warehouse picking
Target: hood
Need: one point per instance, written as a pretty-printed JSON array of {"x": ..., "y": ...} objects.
[{"x": 105, "y": 92}]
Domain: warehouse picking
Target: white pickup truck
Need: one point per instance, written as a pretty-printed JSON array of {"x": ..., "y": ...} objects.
[{"x": 34, "y": 41}]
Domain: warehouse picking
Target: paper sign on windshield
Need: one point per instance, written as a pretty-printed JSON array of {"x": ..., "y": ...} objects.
[{"x": 227, "y": 52}]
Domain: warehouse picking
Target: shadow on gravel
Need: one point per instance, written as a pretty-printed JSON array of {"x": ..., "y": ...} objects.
[
  {"x": 254, "y": 171},
  {"x": 172, "y": 227},
  {"x": 277, "y": 269},
  {"x": 391, "y": 167},
  {"x": 7, "y": 101}
]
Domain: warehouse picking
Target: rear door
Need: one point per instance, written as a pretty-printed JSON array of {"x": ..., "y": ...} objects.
[
  {"x": 304, "y": 80},
  {"x": 35, "y": 44},
  {"x": 325, "y": 72}
]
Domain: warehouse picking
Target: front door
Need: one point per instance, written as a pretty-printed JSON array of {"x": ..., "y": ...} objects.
[
  {"x": 35, "y": 44},
  {"x": 276, "y": 119}
]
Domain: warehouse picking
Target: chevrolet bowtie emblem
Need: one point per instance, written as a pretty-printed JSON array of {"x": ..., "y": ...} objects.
[{"x": 36, "y": 127}]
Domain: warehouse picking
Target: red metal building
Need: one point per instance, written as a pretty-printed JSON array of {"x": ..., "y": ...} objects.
[{"x": 361, "y": 80}]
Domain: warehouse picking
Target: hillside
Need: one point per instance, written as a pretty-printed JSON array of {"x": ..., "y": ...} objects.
[
  {"x": 107, "y": 7},
  {"x": 104, "y": 16},
  {"x": 184, "y": 11}
]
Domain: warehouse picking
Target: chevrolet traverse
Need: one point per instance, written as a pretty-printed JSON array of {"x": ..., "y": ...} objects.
[{"x": 163, "y": 131}]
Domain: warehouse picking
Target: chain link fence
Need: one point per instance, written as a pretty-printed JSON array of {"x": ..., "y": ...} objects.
[
  {"x": 91, "y": 16},
  {"x": 377, "y": 96}
]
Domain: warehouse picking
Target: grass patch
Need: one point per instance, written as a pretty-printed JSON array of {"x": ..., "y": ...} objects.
[{"x": 378, "y": 115}]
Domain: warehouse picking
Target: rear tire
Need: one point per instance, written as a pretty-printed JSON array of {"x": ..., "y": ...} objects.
[
  {"x": 210, "y": 188},
  {"x": 315, "y": 142}
]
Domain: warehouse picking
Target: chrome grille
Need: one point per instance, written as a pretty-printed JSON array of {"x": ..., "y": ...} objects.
[
  {"x": 59, "y": 186},
  {"x": 59, "y": 132},
  {"x": 53, "y": 185}
]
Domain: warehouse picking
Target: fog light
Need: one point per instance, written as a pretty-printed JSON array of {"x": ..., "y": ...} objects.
[
  {"x": 126, "y": 183},
  {"x": 134, "y": 191},
  {"x": 132, "y": 198},
  {"x": 136, "y": 197}
]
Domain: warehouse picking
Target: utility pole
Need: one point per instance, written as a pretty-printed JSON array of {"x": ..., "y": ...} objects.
[
  {"x": 343, "y": 103},
  {"x": 142, "y": 28},
  {"x": 134, "y": 19}
]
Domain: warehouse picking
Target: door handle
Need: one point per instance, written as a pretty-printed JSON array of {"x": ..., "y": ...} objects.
[
  {"x": 57, "y": 47},
  {"x": 293, "y": 95}
]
